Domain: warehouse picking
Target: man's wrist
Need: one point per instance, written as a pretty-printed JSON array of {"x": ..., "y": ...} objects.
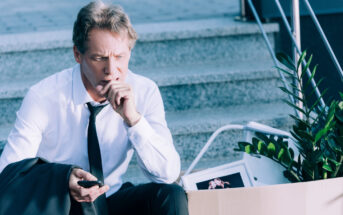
[{"x": 131, "y": 121}]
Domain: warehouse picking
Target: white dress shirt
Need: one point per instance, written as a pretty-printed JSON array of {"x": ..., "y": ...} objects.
[{"x": 52, "y": 123}]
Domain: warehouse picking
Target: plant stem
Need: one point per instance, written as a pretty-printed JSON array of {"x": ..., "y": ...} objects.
[
  {"x": 325, "y": 175},
  {"x": 295, "y": 175},
  {"x": 339, "y": 167}
]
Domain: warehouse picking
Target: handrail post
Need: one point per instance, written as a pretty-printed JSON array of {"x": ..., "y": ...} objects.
[
  {"x": 288, "y": 28},
  {"x": 243, "y": 13},
  {"x": 270, "y": 49},
  {"x": 297, "y": 36}
]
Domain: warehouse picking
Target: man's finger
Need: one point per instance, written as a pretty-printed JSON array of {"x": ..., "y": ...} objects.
[
  {"x": 103, "y": 189},
  {"x": 85, "y": 175},
  {"x": 114, "y": 95},
  {"x": 105, "y": 88},
  {"x": 124, "y": 93}
]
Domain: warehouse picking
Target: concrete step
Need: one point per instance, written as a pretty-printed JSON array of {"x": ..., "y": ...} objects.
[
  {"x": 37, "y": 55},
  {"x": 217, "y": 84},
  {"x": 185, "y": 74},
  {"x": 192, "y": 128},
  {"x": 212, "y": 85}
]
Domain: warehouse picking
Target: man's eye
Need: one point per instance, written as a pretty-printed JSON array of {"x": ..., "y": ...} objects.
[{"x": 99, "y": 58}]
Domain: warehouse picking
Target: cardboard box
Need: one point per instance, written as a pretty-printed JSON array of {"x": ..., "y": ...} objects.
[{"x": 324, "y": 197}]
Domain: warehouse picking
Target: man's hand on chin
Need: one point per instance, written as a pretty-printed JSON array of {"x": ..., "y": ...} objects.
[
  {"x": 82, "y": 194},
  {"x": 120, "y": 95}
]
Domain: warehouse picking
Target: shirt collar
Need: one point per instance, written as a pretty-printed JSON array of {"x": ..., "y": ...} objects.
[{"x": 80, "y": 94}]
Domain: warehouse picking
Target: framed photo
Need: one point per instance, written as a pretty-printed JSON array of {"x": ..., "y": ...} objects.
[{"x": 232, "y": 175}]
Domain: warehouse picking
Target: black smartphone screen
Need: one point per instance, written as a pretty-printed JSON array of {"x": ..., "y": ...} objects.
[{"x": 88, "y": 184}]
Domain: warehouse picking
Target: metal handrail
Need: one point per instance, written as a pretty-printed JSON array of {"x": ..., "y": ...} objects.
[
  {"x": 209, "y": 142},
  {"x": 288, "y": 28},
  {"x": 270, "y": 49},
  {"x": 308, "y": 72},
  {"x": 251, "y": 127},
  {"x": 325, "y": 40}
]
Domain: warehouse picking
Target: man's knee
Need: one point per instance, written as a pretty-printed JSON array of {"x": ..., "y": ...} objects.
[
  {"x": 170, "y": 199},
  {"x": 170, "y": 190}
]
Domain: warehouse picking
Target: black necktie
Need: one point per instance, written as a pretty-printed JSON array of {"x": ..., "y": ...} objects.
[{"x": 94, "y": 156}]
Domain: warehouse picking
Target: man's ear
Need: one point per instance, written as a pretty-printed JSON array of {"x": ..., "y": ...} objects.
[{"x": 77, "y": 54}]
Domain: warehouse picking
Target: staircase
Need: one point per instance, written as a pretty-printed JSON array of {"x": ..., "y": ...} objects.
[{"x": 211, "y": 72}]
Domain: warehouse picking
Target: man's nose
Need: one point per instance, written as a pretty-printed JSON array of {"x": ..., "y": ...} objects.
[{"x": 112, "y": 68}]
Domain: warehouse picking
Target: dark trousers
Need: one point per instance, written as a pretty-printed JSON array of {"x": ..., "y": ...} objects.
[{"x": 148, "y": 199}]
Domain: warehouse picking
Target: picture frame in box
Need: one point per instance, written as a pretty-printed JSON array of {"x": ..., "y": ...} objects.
[{"x": 232, "y": 175}]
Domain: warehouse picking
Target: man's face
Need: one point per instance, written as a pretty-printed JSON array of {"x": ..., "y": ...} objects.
[{"x": 105, "y": 59}]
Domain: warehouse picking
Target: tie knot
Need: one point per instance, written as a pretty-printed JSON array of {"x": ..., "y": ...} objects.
[{"x": 95, "y": 109}]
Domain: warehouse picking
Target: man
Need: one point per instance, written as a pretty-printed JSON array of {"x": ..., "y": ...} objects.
[{"x": 55, "y": 121}]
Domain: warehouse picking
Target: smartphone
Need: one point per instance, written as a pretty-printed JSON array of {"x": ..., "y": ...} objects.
[{"x": 88, "y": 184}]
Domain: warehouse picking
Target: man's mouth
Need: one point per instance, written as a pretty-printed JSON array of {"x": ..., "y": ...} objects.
[{"x": 104, "y": 82}]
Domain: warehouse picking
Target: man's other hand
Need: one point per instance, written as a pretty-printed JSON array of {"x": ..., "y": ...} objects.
[{"x": 82, "y": 194}]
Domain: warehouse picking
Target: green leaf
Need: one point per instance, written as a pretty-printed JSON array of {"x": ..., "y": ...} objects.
[
  {"x": 311, "y": 77},
  {"x": 288, "y": 157},
  {"x": 318, "y": 156},
  {"x": 317, "y": 85},
  {"x": 294, "y": 106},
  {"x": 306, "y": 135},
  {"x": 296, "y": 97},
  {"x": 286, "y": 72},
  {"x": 280, "y": 154},
  {"x": 332, "y": 144},
  {"x": 319, "y": 135},
  {"x": 341, "y": 94},
  {"x": 334, "y": 162},
  {"x": 299, "y": 121},
  {"x": 255, "y": 141},
  {"x": 295, "y": 87},
  {"x": 323, "y": 131},
  {"x": 241, "y": 146},
  {"x": 247, "y": 149},
  {"x": 327, "y": 167},
  {"x": 320, "y": 115},
  {"x": 301, "y": 59},
  {"x": 260, "y": 145},
  {"x": 291, "y": 176},
  {"x": 271, "y": 149},
  {"x": 306, "y": 67},
  {"x": 339, "y": 112},
  {"x": 296, "y": 136},
  {"x": 285, "y": 60},
  {"x": 318, "y": 100}
]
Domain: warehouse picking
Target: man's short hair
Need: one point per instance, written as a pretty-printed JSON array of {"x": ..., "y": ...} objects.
[{"x": 101, "y": 16}]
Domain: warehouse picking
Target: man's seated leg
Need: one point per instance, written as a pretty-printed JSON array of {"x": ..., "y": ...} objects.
[{"x": 152, "y": 198}]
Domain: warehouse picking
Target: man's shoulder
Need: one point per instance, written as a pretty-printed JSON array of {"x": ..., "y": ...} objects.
[
  {"x": 140, "y": 82},
  {"x": 58, "y": 82}
]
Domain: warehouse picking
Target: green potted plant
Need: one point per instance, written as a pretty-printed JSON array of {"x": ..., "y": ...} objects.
[{"x": 318, "y": 135}]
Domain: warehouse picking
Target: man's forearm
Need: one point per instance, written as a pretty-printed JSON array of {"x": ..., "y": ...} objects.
[{"x": 156, "y": 152}]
